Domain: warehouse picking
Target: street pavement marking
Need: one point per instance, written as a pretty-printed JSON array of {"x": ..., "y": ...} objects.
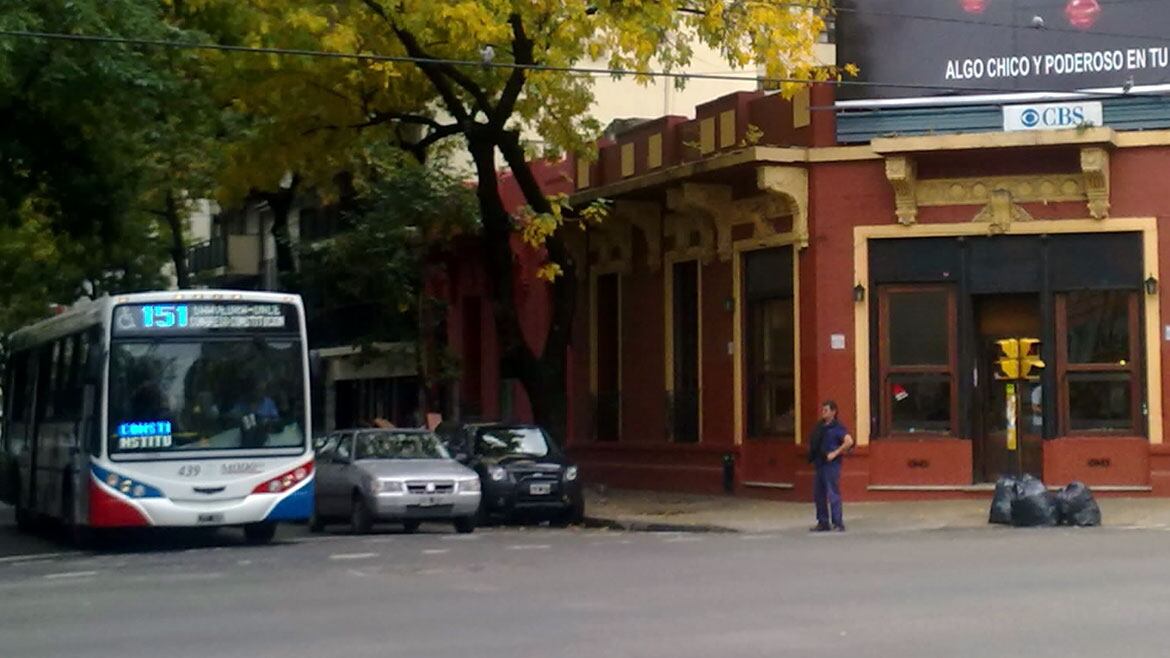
[
  {"x": 352, "y": 556},
  {"x": 682, "y": 538},
  {"x": 244, "y": 563},
  {"x": 529, "y": 547},
  {"x": 756, "y": 537},
  {"x": 32, "y": 556},
  {"x": 70, "y": 574},
  {"x": 435, "y": 551},
  {"x": 460, "y": 537},
  {"x": 177, "y": 577}
]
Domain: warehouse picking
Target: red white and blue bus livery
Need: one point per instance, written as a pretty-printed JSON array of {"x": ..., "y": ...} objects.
[{"x": 161, "y": 409}]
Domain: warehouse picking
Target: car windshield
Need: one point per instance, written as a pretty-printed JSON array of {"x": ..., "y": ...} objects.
[
  {"x": 511, "y": 442},
  {"x": 399, "y": 445},
  {"x": 206, "y": 395}
]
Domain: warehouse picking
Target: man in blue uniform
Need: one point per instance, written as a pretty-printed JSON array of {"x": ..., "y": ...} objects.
[{"x": 829, "y": 441}]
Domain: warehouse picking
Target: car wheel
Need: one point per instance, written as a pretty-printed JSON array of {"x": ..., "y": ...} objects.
[
  {"x": 465, "y": 525},
  {"x": 360, "y": 519},
  {"x": 316, "y": 523},
  {"x": 259, "y": 533},
  {"x": 572, "y": 515},
  {"x": 410, "y": 526}
]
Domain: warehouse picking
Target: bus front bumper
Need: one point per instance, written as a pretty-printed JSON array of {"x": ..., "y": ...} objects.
[{"x": 112, "y": 509}]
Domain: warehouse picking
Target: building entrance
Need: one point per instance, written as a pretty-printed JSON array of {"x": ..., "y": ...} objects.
[{"x": 998, "y": 317}]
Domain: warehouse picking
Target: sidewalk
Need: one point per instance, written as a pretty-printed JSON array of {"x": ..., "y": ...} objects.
[{"x": 666, "y": 512}]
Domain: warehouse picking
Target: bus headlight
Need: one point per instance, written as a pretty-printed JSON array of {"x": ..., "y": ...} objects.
[{"x": 570, "y": 474}]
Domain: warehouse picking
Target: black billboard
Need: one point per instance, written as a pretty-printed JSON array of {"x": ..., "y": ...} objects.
[{"x": 914, "y": 48}]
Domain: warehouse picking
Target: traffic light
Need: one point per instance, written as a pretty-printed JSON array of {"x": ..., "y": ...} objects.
[
  {"x": 1030, "y": 358},
  {"x": 1009, "y": 359}
]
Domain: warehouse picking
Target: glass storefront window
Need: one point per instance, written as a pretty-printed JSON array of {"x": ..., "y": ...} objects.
[
  {"x": 1099, "y": 402},
  {"x": 922, "y": 332},
  {"x": 917, "y": 338},
  {"x": 1098, "y": 327},
  {"x": 1100, "y": 369},
  {"x": 771, "y": 368},
  {"x": 920, "y": 403}
]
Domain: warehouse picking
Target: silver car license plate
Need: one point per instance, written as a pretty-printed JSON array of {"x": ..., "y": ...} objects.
[
  {"x": 542, "y": 489},
  {"x": 428, "y": 501}
]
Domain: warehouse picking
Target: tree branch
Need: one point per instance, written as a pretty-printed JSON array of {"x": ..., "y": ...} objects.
[
  {"x": 433, "y": 73},
  {"x": 522, "y": 49}
]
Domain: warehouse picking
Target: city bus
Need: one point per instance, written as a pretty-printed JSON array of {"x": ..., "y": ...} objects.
[{"x": 168, "y": 409}]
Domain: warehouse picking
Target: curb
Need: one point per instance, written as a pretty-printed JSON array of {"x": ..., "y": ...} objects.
[{"x": 652, "y": 526}]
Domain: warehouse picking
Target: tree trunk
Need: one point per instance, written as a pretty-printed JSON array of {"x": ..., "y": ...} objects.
[
  {"x": 178, "y": 248},
  {"x": 281, "y": 203},
  {"x": 543, "y": 375}
]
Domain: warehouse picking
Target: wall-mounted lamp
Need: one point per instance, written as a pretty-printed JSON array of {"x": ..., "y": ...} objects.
[
  {"x": 859, "y": 293},
  {"x": 1151, "y": 286}
]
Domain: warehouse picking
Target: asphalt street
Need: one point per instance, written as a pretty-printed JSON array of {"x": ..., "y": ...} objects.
[{"x": 544, "y": 593}]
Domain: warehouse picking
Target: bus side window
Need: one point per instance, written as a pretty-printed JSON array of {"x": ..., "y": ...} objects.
[
  {"x": 66, "y": 400},
  {"x": 44, "y": 389}
]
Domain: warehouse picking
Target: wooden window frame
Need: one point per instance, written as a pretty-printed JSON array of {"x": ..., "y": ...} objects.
[
  {"x": 1134, "y": 367},
  {"x": 752, "y": 373},
  {"x": 886, "y": 370}
]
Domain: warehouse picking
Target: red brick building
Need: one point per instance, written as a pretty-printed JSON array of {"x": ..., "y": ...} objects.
[{"x": 761, "y": 258}]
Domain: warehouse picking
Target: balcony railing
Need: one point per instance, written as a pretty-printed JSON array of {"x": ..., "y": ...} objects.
[
  {"x": 235, "y": 255},
  {"x": 207, "y": 256}
]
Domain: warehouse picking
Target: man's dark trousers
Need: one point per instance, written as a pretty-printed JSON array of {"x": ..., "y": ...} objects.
[{"x": 827, "y": 494}]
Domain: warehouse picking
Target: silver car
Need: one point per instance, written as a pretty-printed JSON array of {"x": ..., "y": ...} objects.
[{"x": 403, "y": 475}]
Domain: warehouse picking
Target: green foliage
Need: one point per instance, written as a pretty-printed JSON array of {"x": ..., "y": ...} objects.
[
  {"x": 92, "y": 138},
  {"x": 377, "y": 263}
]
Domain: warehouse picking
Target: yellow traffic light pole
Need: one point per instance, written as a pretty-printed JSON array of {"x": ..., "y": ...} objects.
[{"x": 1018, "y": 360}]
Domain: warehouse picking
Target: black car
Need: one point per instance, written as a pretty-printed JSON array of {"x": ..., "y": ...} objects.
[{"x": 523, "y": 472}]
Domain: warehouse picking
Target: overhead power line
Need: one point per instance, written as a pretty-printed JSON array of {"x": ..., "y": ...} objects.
[{"x": 496, "y": 64}]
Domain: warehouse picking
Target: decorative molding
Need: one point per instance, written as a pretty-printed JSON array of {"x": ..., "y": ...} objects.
[
  {"x": 788, "y": 185},
  {"x": 902, "y": 172},
  {"x": 706, "y": 135},
  {"x": 654, "y": 151},
  {"x": 627, "y": 159},
  {"x": 784, "y": 193},
  {"x": 647, "y": 218},
  {"x": 693, "y": 208},
  {"x": 1047, "y": 188},
  {"x": 1095, "y": 167},
  {"x": 1001, "y": 212},
  {"x": 727, "y": 129},
  {"x": 609, "y": 244}
]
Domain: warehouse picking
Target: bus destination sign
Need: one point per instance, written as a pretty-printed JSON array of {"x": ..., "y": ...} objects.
[{"x": 197, "y": 317}]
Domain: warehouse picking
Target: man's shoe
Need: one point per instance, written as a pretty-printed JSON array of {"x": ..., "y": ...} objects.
[
  {"x": 839, "y": 528},
  {"x": 819, "y": 528}
]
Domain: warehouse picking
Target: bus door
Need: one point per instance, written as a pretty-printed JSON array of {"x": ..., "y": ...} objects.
[
  {"x": 35, "y": 445},
  {"x": 17, "y": 425}
]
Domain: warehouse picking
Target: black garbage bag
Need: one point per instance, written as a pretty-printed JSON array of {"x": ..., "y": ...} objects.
[
  {"x": 1077, "y": 506},
  {"x": 1034, "y": 505},
  {"x": 1001, "y": 503}
]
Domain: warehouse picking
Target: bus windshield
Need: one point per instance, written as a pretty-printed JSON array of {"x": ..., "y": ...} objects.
[{"x": 178, "y": 396}]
